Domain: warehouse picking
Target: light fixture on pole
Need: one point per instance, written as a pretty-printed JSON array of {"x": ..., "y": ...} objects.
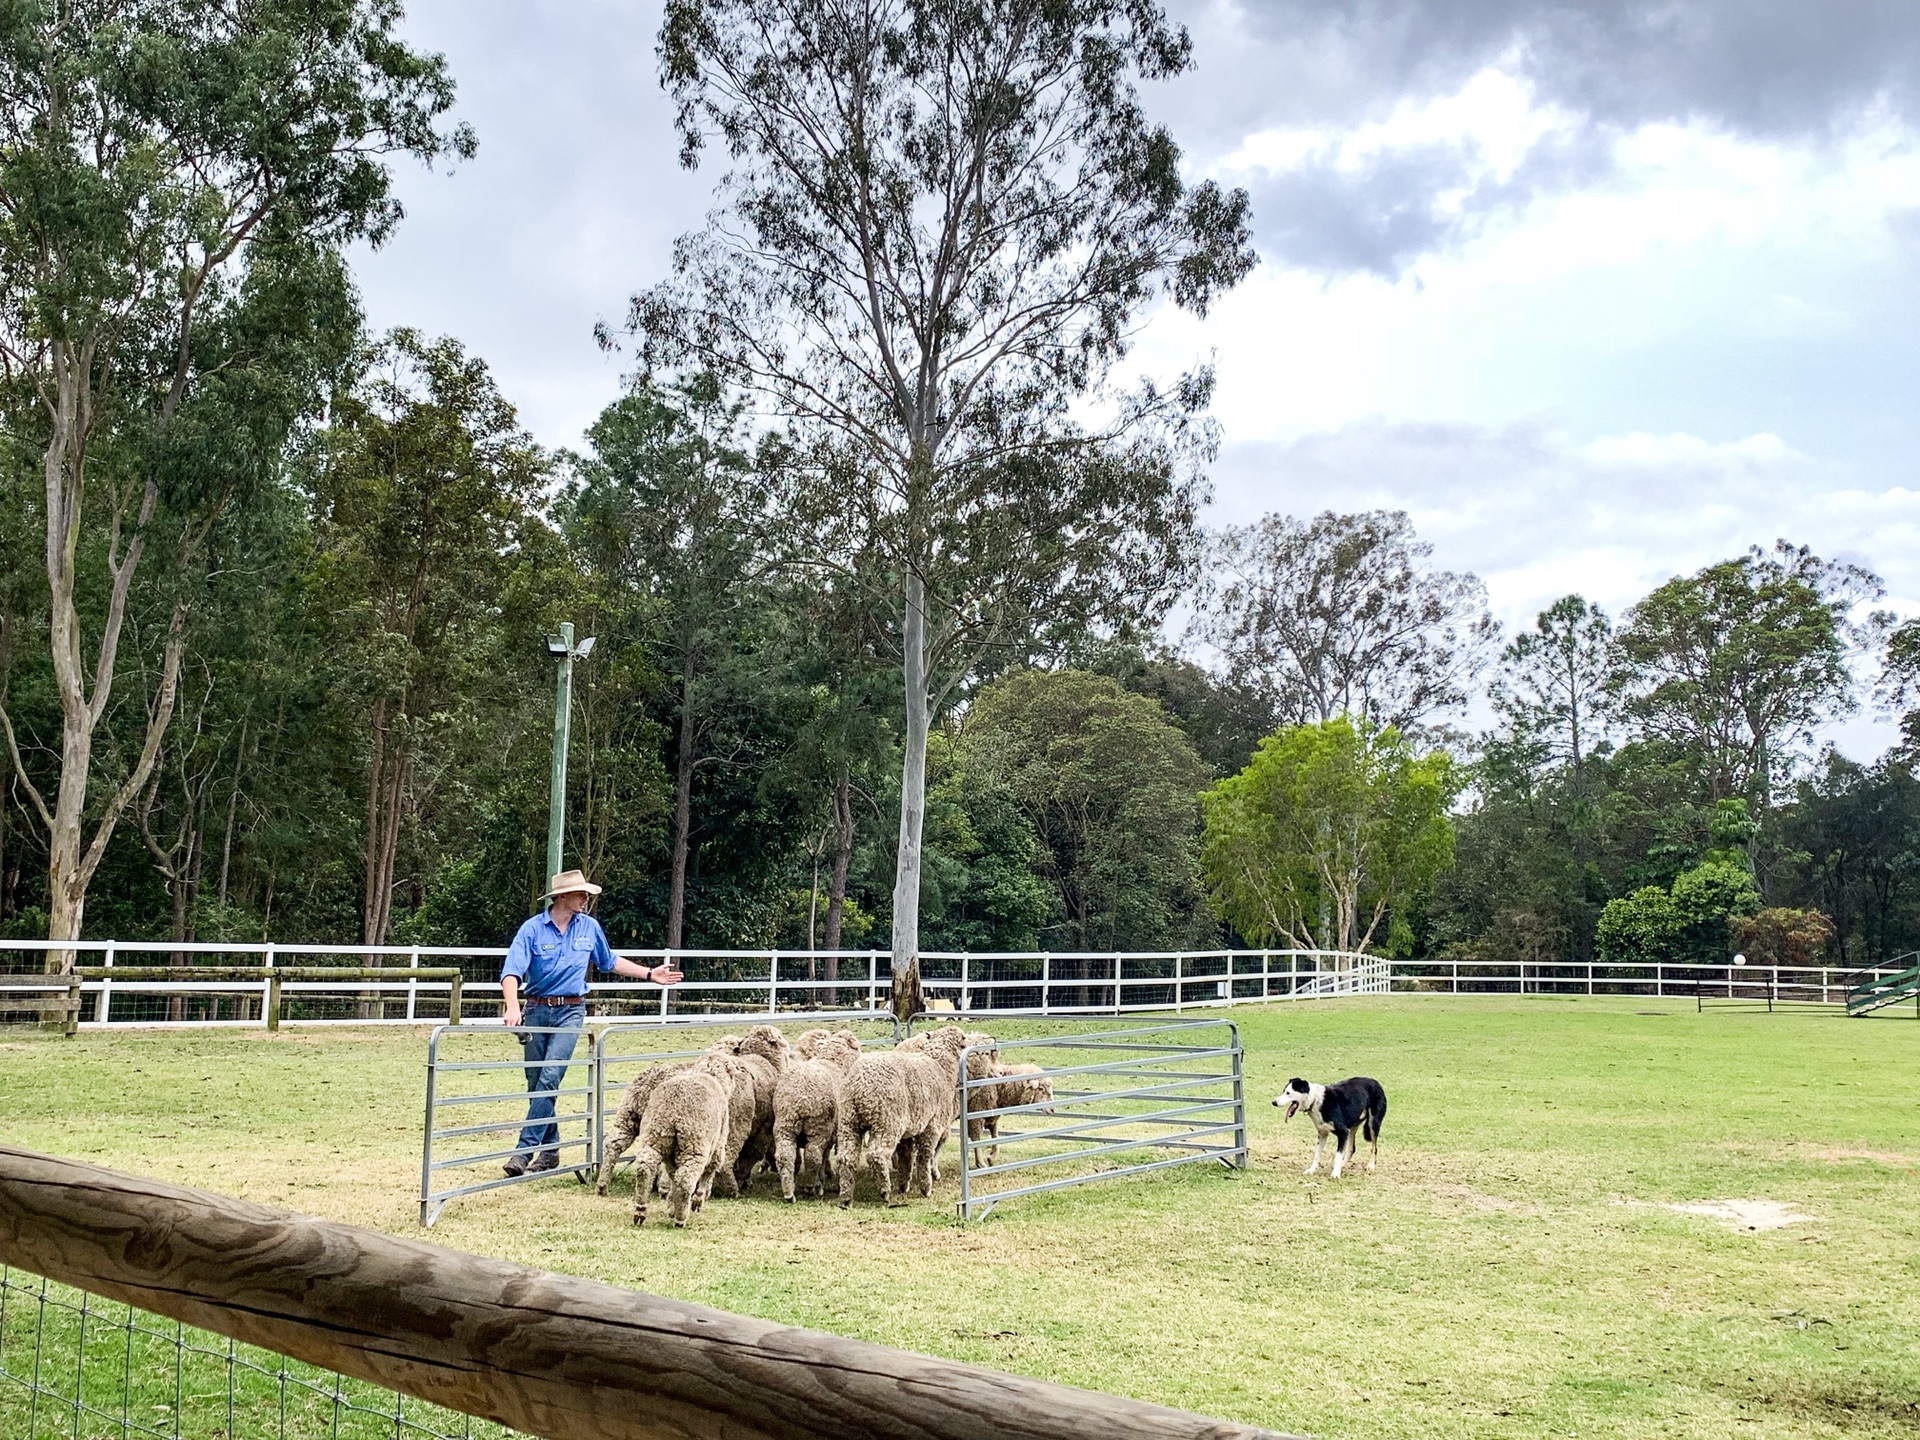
[{"x": 562, "y": 648}]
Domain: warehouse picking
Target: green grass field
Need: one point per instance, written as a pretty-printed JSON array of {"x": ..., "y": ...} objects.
[{"x": 1510, "y": 1270}]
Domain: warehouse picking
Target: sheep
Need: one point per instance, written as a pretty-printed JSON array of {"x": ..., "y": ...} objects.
[
  {"x": 804, "y": 1107},
  {"x": 1018, "y": 1085},
  {"x": 765, "y": 1053},
  {"x": 633, "y": 1107},
  {"x": 980, "y": 1065},
  {"x": 688, "y": 1130},
  {"x": 889, "y": 1097}
]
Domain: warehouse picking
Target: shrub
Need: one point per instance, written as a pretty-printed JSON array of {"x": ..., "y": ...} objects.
[
  {"x": 1781, "y": 936},
  {"x": 1644, "y": 927}
]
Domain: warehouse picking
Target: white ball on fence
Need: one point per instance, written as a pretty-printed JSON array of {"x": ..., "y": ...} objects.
[{"x": 1739, "y": 959}]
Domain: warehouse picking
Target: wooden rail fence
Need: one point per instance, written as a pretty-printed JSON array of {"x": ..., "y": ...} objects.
[{"x": 551, "y": 1355}]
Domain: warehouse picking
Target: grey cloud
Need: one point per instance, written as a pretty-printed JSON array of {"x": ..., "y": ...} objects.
[
  {"x": 1397, "y": 205},
  {"x": 1378, "y": 216},
  {"x": 1763, "y": 67},
  {"x": 1767, "y": 69}
]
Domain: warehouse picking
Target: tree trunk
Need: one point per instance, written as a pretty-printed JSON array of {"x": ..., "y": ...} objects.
[
  {"x": 837, "y": 880},
  {"x": 907, "y": 997},
  {"x": 682, "y": 811},
  {"x": 71, "y": 857},
  {"x": 233, "y": 805},
  {"x": 370, "y": 868},
  {"x": 386, "y": 784}
]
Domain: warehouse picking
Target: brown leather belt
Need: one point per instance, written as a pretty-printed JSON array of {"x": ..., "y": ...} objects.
[{"x": 556, "y": 1000}]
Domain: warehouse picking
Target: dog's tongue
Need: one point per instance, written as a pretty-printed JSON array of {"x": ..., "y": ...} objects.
[{"x": 1292, "y": 1105}]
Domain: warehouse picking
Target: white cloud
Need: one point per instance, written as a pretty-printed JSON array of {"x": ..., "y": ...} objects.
[{"x": 1538, "y": 513}]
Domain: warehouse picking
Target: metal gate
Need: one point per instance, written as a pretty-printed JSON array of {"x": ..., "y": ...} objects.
[
  {"x": 1145, "y": 1097},
  {"x": 471, "y": 1102},
  {"x": 475, "y": 1088}
]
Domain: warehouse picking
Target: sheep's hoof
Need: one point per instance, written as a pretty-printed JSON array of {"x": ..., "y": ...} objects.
[
  {"x": 601, "y": 1188},
  {"x": 788, "y": 1197},
  {"x": 679, "y": 1224},
  {"x": 640, "y": 1217}
]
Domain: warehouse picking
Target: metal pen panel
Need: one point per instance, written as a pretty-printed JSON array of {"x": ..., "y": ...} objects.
[
  {"x": 1171, "y": 1091},
  {"x": 443, "y": 1073}
]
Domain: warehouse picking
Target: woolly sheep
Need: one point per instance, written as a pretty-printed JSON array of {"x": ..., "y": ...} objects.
[
  {"x": 765, "y": 1053},
  {"x": 633, "y": 1107},
  {"x": 687, "y": 1130},
  {"x": 1018, "y": 1085},
  {"x": 980, "y": 1065},
  {"x": 891, "y": 1097},
  {"x": 805, "y": 1111}
]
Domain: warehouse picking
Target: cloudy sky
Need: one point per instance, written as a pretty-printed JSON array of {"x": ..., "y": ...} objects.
[{"x": 1599, "y": 291}]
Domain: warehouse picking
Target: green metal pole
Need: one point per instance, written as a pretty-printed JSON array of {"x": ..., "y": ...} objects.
[{"x": 562, "y": 715}]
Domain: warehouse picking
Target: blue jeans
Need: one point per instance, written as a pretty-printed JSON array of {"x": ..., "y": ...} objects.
[{"x": 546, "y": 1056}]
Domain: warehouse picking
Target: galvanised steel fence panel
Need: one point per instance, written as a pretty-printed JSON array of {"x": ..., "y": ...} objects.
[
  {"x": 483, "y": 1095},
  {"x": 476, "y": 1101},
  {"x": 1138, "y": 1098},
  {"x": 76, "y": 1366}
]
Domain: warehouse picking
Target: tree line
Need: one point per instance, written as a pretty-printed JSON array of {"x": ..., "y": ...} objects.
[{"x": 878, "y": 548}]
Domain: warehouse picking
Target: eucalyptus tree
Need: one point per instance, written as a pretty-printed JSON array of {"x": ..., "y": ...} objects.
[
  {"x": 1331, "y": 831},
  {"x": 669, "y": 503},
  {"x": 941, "y": 220},
  {"x": 422, "y": 487},
  {"x": 155, "y": 158},
  {"x": 1741, "y": 662},
  {"x": 1343, "y": 615}
]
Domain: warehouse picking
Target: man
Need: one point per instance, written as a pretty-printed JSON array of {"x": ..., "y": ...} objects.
[{"x": 546, "y": 967}]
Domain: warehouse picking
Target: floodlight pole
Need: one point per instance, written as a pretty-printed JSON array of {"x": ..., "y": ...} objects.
[{"x": 562, "y": 716}]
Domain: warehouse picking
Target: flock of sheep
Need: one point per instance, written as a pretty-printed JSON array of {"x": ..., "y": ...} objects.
[{"x": 754, "y": 1099}]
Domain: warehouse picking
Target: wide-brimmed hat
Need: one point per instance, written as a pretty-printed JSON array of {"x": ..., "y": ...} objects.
[{"x": 570, "y": 882}]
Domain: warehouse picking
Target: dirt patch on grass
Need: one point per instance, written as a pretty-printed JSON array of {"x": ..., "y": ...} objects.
[
  {"x": 1751, "y": 1215},
  {"x": 1479, "y": 1200}
]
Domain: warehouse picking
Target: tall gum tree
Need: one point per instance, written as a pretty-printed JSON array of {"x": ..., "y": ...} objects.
[
  {"x": 941, "y": 221},
  {"x": 423, "y": 485},
  {"x": 146, "y": 151},
  {"x": 678, "y": 511}
]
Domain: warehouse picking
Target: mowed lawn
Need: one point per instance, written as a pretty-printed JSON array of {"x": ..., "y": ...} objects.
[{"x": 1510, "y": 1269}]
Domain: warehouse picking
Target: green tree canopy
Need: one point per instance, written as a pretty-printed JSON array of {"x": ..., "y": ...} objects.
[
  {"x": 1109, "y": 785},
  {"x": 1740, "y": 662},
  {"x": 1331, "y": 830}
]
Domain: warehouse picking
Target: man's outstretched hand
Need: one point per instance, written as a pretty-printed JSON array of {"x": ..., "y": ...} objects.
[{"x": 665, "y": 975}]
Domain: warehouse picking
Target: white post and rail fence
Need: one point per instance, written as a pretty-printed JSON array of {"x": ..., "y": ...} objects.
[{"x": 114, "y": 983}]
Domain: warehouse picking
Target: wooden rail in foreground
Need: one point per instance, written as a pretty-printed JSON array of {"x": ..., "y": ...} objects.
[{"x": 552, "y": 1355}]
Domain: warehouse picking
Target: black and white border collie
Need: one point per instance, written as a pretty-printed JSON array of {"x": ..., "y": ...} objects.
[{"x": 1350, "y": 1112}]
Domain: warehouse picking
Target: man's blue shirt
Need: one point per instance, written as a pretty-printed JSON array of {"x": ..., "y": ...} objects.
[{"x": 549, "y": 963}]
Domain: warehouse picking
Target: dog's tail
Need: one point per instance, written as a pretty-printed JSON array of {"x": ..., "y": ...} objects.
[{"x": 1375, "y": 1114}]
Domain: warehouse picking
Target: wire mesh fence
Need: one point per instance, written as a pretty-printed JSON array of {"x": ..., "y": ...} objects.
[{"x": 75, "y": 1366}]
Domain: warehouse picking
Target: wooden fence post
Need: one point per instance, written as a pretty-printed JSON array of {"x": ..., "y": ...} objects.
[{"x": 453, "y": 1003}]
